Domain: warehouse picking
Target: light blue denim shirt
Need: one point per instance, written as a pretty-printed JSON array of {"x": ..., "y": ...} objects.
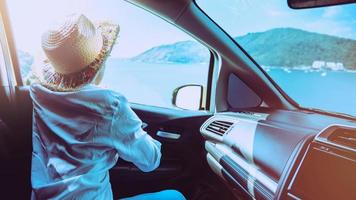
[{"x": 78, "y": 136}]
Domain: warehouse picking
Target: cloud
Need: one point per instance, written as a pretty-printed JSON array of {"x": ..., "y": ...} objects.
[
  {"x": 331, "y": 12},
  {"x": 275, "y": 13},
  {"x": 339, "y": 28}
]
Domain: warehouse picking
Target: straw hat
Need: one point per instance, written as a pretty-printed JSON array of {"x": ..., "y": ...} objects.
[{"x": 76, "y": 50}]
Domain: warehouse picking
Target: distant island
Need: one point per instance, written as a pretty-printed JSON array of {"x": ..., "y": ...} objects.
[
  {"x": 25, "y": 62},
  {"x": 279, "y": 47},
  {"x": 283, "y": 47},
  {"x": 181, "y": 52}
]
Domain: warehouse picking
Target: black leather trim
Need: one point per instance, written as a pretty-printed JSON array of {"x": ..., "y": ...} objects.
[
  {"x": 237, "y": 150},
  {"x": 261, "y": 192},
  {"x": 235, "y": 184},
  {"x": 234, "y": 170},
  {"x": 241, "y": 176}
]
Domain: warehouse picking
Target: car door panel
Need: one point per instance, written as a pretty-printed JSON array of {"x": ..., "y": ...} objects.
[
  {"x": 15, "y": 141},
  {"x": 179, "y": 162}
]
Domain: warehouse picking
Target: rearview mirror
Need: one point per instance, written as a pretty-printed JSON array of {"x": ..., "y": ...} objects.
[
  {"x": 188, "y": 97},
  {"x": 298, "y": 4}
]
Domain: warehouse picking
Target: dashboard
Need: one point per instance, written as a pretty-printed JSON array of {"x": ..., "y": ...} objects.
[{"x": 266, "y": 156}]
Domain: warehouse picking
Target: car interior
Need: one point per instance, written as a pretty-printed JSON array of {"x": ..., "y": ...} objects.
[{"x": 247, "y": 140}]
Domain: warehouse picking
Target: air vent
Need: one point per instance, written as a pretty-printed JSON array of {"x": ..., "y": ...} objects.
[
  {"x": 246, "y": 112},
  {"x": 219, "y": 127},
  {"x": 344, "y": 137}
]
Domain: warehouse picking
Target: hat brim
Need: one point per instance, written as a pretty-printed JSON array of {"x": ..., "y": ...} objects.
[{"x": 74, "y": 81}]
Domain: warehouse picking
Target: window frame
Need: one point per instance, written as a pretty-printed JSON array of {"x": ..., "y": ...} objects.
[
  {"x": 231, "y": 107},
  {"x": 9, "y": 48}
]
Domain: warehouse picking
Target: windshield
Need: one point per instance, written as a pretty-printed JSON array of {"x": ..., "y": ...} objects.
[{"x": 310, "y": 54}]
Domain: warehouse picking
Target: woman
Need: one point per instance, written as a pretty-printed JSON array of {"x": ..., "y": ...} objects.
[{"x": 79, "y": 129}]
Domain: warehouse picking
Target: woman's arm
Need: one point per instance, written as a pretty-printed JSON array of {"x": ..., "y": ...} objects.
[{"x": 132, "y": 143}]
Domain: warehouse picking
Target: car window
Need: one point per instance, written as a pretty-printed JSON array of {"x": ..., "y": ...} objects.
[
  {"x": 150, "y": 59},
  {"x": 239, "y": 95},
  {"x": 310, "y": 54}
]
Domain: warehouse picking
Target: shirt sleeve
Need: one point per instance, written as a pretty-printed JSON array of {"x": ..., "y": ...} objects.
[{"x": 131, "y": 142}]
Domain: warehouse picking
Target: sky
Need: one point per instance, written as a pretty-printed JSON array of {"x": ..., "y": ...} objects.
[
  {"x": 141, "y": 30},
  {"x": 239, "y": 17}
]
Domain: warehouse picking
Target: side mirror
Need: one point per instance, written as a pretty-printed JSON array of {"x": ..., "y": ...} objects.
[{"x": 189, "y": 97}]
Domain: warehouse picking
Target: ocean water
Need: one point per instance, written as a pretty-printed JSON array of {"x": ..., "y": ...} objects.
[
  {"x": 327, "y": 90},
  {"x": 153, "y": 84}
]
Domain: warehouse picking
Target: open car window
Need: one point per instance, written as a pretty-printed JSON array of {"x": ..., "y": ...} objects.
[{"x": 151, "y": 58}]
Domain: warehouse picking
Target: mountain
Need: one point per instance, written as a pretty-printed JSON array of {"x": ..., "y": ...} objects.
[
  {"x": 294, "y": 47},
  {"x": 180, "y": 52},
  {"x": 25, "y": 62},
  {"x": 287, "y": 47}
]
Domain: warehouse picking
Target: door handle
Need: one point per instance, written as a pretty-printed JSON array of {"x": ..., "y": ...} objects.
[
  {"x": 144, "y": 125},
  {"x": 168, "y": 135}
]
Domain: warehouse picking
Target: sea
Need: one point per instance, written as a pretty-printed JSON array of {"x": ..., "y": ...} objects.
[{"x": 153, "y": 84}]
